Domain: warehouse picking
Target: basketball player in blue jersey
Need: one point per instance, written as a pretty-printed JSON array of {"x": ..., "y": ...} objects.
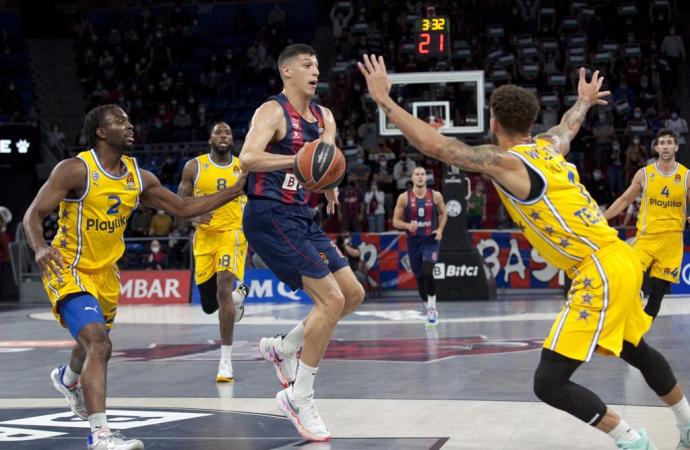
[
  {"x": 421, "y": 212},
  {"x": 279, "y": 227},
  {"x": 97, "y": 192},
  {"x": 604, "y": 312}
]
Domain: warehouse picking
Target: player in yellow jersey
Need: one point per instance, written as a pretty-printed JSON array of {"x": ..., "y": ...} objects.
[
  {"x": 559, "y": 218},
  {"x": 220, "y": 247},
  {"x": 664, "y": 188},
  {"x": 97, "y": 192}
]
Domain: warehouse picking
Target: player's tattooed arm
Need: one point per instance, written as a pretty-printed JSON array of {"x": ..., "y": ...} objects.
[
  {"x": 481, "y": 158},
  {"x": 589, "y": 94}
]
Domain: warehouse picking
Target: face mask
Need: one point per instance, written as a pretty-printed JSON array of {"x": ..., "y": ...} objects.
[
  {"x": 155, "y": 249},
  {"x": 360, "y": 160},
  {"x": 597, "y": 176},
  {"x": 616, "y": 147},
  {"x": 350, "y": 142},
  {"x": 674, "y": 116},
  {"x": 637, "y": 115},
  {"x": 160, "y": 212},
  {"x": 383, "y": 163},
  {"x": 636, "y": 141},
  {"x": 602, "y": 117}
]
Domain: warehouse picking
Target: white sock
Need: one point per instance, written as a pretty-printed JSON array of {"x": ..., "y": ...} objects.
[
  {"x": 294, "y": 339},
  {"x": 682, "y": 411},
  {"x": 624, "y": 432},
  {"x": 99, "y": 423},
  {"x": 226, "y": 352},
  {"x": 69, "y": 377},
  {"x": 304, "y": 381},
  {"x": 432, "y": 301}
]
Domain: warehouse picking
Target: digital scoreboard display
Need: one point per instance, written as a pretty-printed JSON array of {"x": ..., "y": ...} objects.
[{"x": 432, "y": 37}]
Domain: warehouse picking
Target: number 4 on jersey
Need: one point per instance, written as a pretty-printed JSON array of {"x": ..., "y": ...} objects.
[{"x": 665, "y": 191}]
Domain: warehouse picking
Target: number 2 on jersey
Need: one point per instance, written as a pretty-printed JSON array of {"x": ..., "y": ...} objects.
[{"x": 115, "y": 205}]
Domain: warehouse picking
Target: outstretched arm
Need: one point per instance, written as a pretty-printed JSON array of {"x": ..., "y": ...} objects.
[
  {"x": 158, "y": 197},
  {"x": 627, "y": 197},
  {"x": 489, "y": 159},
  {"x": 588, "y": 96}
]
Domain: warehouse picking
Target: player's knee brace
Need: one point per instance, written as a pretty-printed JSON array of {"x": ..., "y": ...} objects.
[
  {"x": 208, "y": 290},
  {"x": 656, "y": 289},
  {"x": 553, "y": 386},
  {"x": 655, "y": 369}
]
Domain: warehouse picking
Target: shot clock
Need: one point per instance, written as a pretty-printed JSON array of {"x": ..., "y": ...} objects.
[{"x": 432, "y": 37}]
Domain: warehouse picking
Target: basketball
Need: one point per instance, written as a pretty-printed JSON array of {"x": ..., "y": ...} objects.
[{"x": 319, "y": 166}]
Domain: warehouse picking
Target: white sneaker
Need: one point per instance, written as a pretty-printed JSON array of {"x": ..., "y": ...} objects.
[
  {"x": 684, "y": 442},
  {"x": 303, "y": 415},
  {"x": 225, "y": 374},
  {"x": 73, "y": 394},
  {"x": 113, "y": 441},
  {"x": 239, "y": 304},
  {"x": 285, "y": 364},
  {"x": 431, "y": 317}
]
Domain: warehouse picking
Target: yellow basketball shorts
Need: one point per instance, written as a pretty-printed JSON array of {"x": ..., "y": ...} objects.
[
  {"x": 104, "y": 284},
  {"x": 604, "y": 306},
  {"x": 218, "y": 251},
  {"x": 663, "y": 252}
]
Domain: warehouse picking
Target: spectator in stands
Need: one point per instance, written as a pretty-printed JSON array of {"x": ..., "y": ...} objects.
[
  {"x": 647, "y": 95},
  {"x": 599, "y": 189},
  {"x": 351, "y": 207},
  {"x": 476, "y": 207},
  {"x": 155, "y": 259},
  {"x": 381, "y": 149},
  {"x": 161, "y": 224},
  {"x": 353, "y": 255},
  {"x": 673, "y": 49},
  {"x": 50, "y": 226},
  {"x": 182, "y": 123},
  {"x": 637, "y": 125},
  {"x": 374, "y": 205},
  {"x": 276, "y": 17},
  {"x": 635, "y": 158},
  {"x": 615, "y": 172},
  {"x": 56, "y": 137},
  {"x": 341, "y": 14},
  {"x": 603, "y": 133},
  {"x": 402, "y": 172},
  {"x": 361, "y": 171},
  {"x": 679, "y": 126}
]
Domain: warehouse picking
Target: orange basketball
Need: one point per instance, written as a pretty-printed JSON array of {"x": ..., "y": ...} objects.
[{"x": 319, "y": 166}]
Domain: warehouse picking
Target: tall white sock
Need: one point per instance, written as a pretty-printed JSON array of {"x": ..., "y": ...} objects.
[
  {"x": 294, "y": 340},
  {"x": 69, "y": 377},
  {"x": 432, "y": 301},
  {"x": 624, "y": 432},
  {"x": 226, "y": 352},
  {"x": 682, "y": 411},
  {"x": 98, "y": 423},
  {"x": 304, "y": 381}
]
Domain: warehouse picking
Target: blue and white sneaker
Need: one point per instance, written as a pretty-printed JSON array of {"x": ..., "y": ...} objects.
[
  {"x": 108, "y": 440},
  {"x": 431, "y": 317},
  {"x": 643, "y": 443},
  {"x": 684, "y": 442},
  {"x": 73, "y": 394}
]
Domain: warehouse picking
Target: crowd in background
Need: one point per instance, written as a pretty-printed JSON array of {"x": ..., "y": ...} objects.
[{"x": 150, "y": 64}]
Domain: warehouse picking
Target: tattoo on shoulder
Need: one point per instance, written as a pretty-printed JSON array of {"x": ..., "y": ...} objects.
[{"x": 459, "y": 154}]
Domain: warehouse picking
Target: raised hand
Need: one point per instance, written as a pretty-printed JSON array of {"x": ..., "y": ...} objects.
[
  {"x": 590, "y": 92},
  {"x": 374, "y": 70}
]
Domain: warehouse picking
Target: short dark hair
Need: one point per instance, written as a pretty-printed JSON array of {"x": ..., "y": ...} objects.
[
  {"x": 514, "y": 108},
  {"x": 216, "y": 123},
  {"x": 93, "y": 120},
  {"x": 294, "y": 50},
  {"x": 666, "y": 132}
]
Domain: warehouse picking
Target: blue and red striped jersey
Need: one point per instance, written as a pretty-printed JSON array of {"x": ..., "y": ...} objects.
[
  {"x": 423, "y": 211},
  {"x": 282, "y": 185}
]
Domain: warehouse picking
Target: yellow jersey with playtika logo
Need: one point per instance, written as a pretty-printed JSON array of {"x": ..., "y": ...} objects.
[
  {"x": 664, "y": 199},
  {"x": 212, "y": 177},
  {"x": 90, "y": 228},
  {"x": 563, "y": 223}
]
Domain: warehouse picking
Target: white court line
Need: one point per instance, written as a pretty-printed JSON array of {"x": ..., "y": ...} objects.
[{"x": 193, "y": 315}]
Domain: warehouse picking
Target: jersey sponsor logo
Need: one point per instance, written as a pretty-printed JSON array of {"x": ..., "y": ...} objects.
[
  {"x": 443, "y": 271},
  {"x": 676, "y": 179},
  {"x": 95, "y": 175},
  {"x": 422, "y": 223},
  {"x": 290, "y": 182},
  {"x": 106, "y": 225},
  {"x": 665, "y": 203},
  {"x": 130, "y": 182}
]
